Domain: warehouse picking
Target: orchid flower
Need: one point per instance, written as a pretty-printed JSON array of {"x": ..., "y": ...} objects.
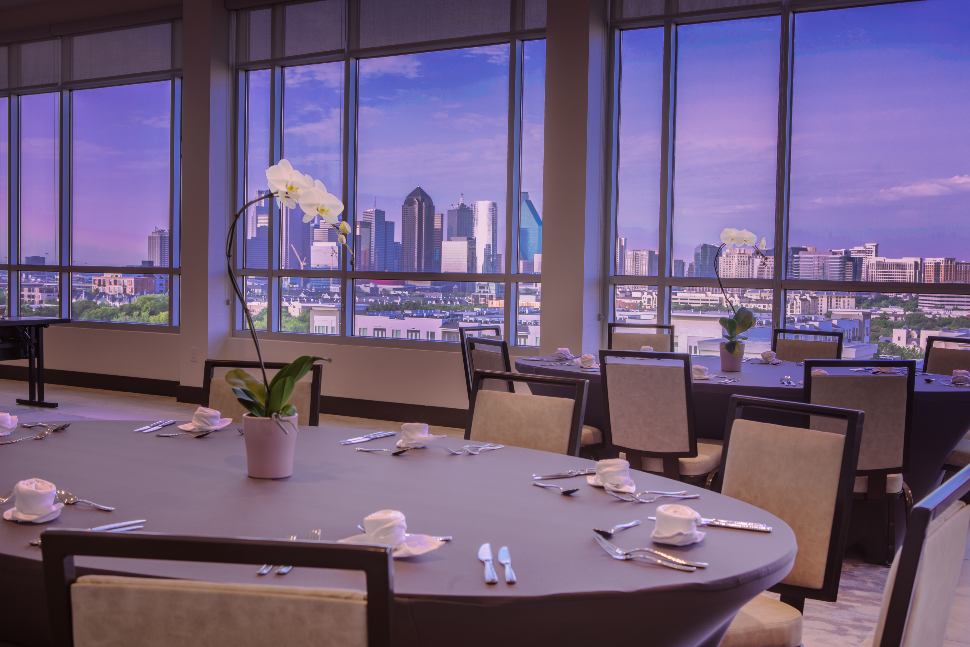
[
  {"x": 317, "y": 201},
  {"x": 747, "y": 238},
  {"x": 287, "y": 183},
  {"x": 763, "y": 245},
  {"x": 731, "y": 237},
  {"x": 344, "y": 227}
]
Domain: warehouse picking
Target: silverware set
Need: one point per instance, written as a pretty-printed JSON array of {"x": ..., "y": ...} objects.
[
  {"x": 69, "y": 499},
  {"x": 392, "y": 452},
  {"x": 155, "y": 426},
  {"x": 649, "y": 555},
  {"x": 504, "y": 558},
  {"x": 368, "y": 437},
  {"x": 123, "y": 526},
  {"x": 445, "y": 538},
  {"x": 635, "y": 498},
  {"x": 736, "y": 525},
  {"x": 473, "y": 450},
  {"x": 266, "y": 569},
  {"x": 564, "y": 475},
  {"x": 787, "y": 381},
  {"x": 729, "y": 380},
  {"x": 48, "y": 430}
]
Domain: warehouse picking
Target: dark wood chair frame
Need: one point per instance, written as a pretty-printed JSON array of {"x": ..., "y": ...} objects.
[
  {"x": 59, "y": 548},
  {"x": 777, "y": 332},
  {"x": 876, "y": 489},
  {"x": 935, "y": 504},
  {"x": 463, "y": 338},
  {"x": 659, "y": 327},
  {"x": 579, "y": 399},
  {"x": 316, "y": 373},
  {"x": 935, "y": 338},
  {"x": 671, "y": 460},
  {"x": 791, "y": 595},
  {"x": 503, "y": 350}
]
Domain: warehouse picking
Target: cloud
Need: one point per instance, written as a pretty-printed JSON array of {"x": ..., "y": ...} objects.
[
  {"x": 330, "y": 74},
  {"x": 158, "y": 121},
  {"x": 406, "y": 66},
  {"x": 927, "y": 188},
  {"x": 497, "y": 54},
  {"x": 439, "y": 115}
]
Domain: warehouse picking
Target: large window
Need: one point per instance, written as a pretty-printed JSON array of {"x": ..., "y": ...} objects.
[
  {"x": 437, "y": 156},
  {"x": 866, "y": 186}
]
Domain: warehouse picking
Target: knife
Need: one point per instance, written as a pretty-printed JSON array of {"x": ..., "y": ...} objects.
[
  {"x": 506, "y": 560},
  {"x": 737, "y": 525},
  {"x": 158, "y": 425},
  {"x": 368, "y": 437},
  {"x": 564, "y": 475},
  {"x": 157, "y": 422},
  {"x": 485, "y": 555}
]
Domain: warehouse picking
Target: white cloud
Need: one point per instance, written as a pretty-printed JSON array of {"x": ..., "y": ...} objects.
[
  {"x": 330, "y": 74},
  {"x": 406, "y": 66},
  {"x": 497, "y": 54},
  {"x": 927, "y": 188},
  {"x": 158, "y": 121},
  {"x": 439, "y": 115}
]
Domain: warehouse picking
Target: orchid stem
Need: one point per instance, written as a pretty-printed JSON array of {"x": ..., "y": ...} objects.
[{"x": 717, "y": 273}]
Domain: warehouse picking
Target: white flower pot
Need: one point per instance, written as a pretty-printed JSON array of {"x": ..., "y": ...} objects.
[
  {"x": 269, "y": 450},
  {"x": 730, "y": 363}
]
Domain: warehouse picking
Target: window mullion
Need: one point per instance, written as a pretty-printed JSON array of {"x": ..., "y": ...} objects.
[
  {"x": 514, "y": 200},
  {"x": 347, "y": 286},
  {"x": 275, "y": 222},
  {"x": 667, "y": 169},
  {"x": 783, "y": 164},
  {"x": 13, "y": 203},
  {"x": 64, "y": 221}
]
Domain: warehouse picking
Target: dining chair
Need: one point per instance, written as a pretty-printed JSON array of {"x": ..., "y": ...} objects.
[
  {"x": 488, "y": 363},
  {"x": 922, "y": 582},
  {"x": 648, "y": 407},
  {"x": 944, "y": 360},
  {"x": 884, "y": 454},
  {"x": 626, "y": 336},
  {"x": 110, "y": 611},
  {"x": 798, "y": 350},
  {"x": 804, "y": 477},
  {"x": 551, "y": 424},
  {"x": 218, "y": 395}
]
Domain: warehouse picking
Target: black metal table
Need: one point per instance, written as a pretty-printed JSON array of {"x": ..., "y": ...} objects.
[{"x": 26, "y": 341}]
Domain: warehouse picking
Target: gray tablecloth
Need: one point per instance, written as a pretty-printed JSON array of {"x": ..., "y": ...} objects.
[
  {"x": 569, "y": 590},
  {"x": 941, "y": 414}
]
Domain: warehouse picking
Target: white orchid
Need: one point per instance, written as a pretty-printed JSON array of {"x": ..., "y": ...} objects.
[
  {"x": 763, "y": 245},
  {"x": 344, "y": 227},
  {"x": 317, "y": 201},
  {"x": 731, "y": 237},
  {"x": 747, "y": 238},
  {"x": 342, "y": 239},
  {"x": 287, "y": 183}
]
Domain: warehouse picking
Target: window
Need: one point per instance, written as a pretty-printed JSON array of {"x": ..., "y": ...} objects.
[{"x": 414, "y": 334}]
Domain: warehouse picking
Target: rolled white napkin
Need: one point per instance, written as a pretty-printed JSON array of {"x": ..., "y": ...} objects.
[
  {"x": 414, "y": 435},
  {"x": 677, "y": 525},
  {"x": 768, "y": 356},
  {"x": 646, "y": 349},
  {"x": 960, "y": 379},
  {"x": 698, "y": 371},
  {"x": 613, "y": 474},
  {"x": 205, "y": 419},
  {"x": 34, "y": 496},
  {"x": 389, "y": 528},
  {"x": 7, "y": 422},
  {"x": 956, "y": 373},
  {"x": 562, "y": 353},
  {"x": 586, "y": 360},
  {"x": 819, "y": 371}
]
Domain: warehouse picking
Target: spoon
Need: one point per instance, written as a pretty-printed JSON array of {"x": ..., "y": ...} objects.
[
  {"x": 6, "y": 497},
  {"x": 40, "y": 436},
  {"x": 202, "y": 435},
  {"x": 70, "y": 499},
  {"x": 392, "y": 452},
  {"x": 550, "y": 485},
  {"x": 623, "y": 526}
]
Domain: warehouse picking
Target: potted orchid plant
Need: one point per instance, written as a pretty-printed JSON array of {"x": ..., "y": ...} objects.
[
  {"x": 732, "y": 349},
  {"x": 269, "y": 443}
]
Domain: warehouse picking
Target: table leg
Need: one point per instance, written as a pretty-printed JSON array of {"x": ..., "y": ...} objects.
[{"x": 35, "y": 370}]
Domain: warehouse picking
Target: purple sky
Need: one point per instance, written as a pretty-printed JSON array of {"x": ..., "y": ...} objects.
[{"x": 3, "y": 180}]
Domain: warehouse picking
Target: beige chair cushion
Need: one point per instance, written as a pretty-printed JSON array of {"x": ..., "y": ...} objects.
[
  {"x": 707, "y": 460},
  {"x": 110, "y": 611},
  {"x": 661, "y": 342},
  {"x": 960, "y": 456},
  {"x": 223, "y": 400},
  {"x": 765, "y": 622},
  {"x": 531, "y": 421},
  {"x": 590, "y": 436},
  {"x": 648, "y": 406},
  {"x": 894, "y": 484},
  {"x": 798, "y": 350},
  {"x": 936, "y": 580},
  {"x": 943, "y": 361},
  {"x": 487, "y": 360},
  {"x": 793, "y": 474},
  {"x": 883, "y": 398}
]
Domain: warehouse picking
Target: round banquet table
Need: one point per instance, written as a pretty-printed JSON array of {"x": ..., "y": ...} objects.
[
  {"x": 941, "y": 414},
  {"x": 569, "y": 590}
]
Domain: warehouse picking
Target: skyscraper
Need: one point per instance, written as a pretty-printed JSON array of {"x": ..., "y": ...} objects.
[
  {"x": 158, "y": 247},
  {"x": 458, "y": 255},
  {"x": 459, "y": 220},
  {"x": 295, "y": 239},
  {"x": 370, "y": 217},
  {"x": 678, "y": 267},
  {"x": 704, "y": 255},
  {"x": 530, "y": 230},
  {"x": 485, "y": 231},
  {"x": 439, "y": 222},
  {"x": 620, "y": 260},
  {"x": 363, "y": 252},
  {"x": 417, "y": 232}
]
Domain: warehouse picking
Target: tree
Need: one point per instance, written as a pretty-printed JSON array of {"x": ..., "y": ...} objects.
[{"x": 909, "y": 352}]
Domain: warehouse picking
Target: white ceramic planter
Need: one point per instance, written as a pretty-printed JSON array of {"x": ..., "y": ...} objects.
[
  {"x": 730, "y": 363},
  {"x": 269, "y": 451}
]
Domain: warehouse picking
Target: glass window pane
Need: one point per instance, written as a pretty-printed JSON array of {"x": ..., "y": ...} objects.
[
  {"x": 310, "y": 305},
  {"x": 880, "y": 189},
  {"x": 122, "y": 133},
  {"x": 638, "y": 175},
  {"x": 695, "y": 312},
  {"x": 40, "y": 294},
  {"x": 257, "y": 161},
  {"x": 4, "y": 169},
  {"x": 5, "y": 292},
  {"x": 121, "y": 298},
  {"x": 313, "y": 143},
  {"x": 528, "y": 314},
  {"x": 425, "y": 310},
  {"x": 257, "y": 296},
  {"x": 39, "y": 178},
  {"x": 533, "y": 132},
  {"x": 726, "y": 135},
  {"x": 635, "y": 304},
  {"x": 432, "y": 157}
]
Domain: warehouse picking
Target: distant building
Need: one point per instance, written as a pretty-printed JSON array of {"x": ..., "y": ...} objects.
[
  {"x": 417, "y": 232},
  {"x": 961, "y": 272},
  {"x": 737, "y": 263},
  {"x": 439, "y": 223},
  {"x": 35, "y": 260},
  {"x": 458, "y": 255},
  {"x": 679, "y": 267},
  {"x": 537, "y": 263},
  {"x": 158, "y": 247},
  {"x": 296, "y": 237},
  {"x": 619, "y": 262},
  {"x": 485, "y": 231},
  {"x": 944, "y": 301},
  {"x": 893, "y": 270},
  {"x": 118, "y": 284},
  {"x": 704, "y": 255},
  {"x": 820, "y": 266},
  {"x": 642, "y": 262},
  {"x": 939, "y": 270},
  {"x": 459, "y": 221},
  {"x": 530, "y": 230}
]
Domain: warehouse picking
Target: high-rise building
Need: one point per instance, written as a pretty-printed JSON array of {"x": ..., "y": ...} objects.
[
  {"x": 939, "y": 270},
  {"x": 370, "y": 216},
  {"x": 961, "y": 272},
  {"x": 530, "y": 230},
  {"x": 459, "y": 220},
  {"x": 704, "y": 255},
  {"x": 439, "y": 222},
  {"x": 259, "y": 216},
  {"x": 158, "y": 247},
  {"x": 619, "y": 262},
  {"x": 417, "y": 232},
  {"x": 737, "y": 263},
  {"x": 764, "y": 268},
  {"x": 893, "y": 270},
  {"x": 485, "y": 231},
  {"x": 678, "y": 267},
  {"x": 820, "y": 266},
  {"x": 295, "y": 239},
  {"x": 393, "y": 255},
  {"x": 363, "y": 252},
  {"x": 642, "y": 262},
  {"x": 792, "y": 253},
  {"x": 458, "y": 255},
  {"x": 383, "y": 246}
]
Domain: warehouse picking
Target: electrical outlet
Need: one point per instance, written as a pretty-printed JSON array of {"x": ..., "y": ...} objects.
[{"x": 192, "y": 356}]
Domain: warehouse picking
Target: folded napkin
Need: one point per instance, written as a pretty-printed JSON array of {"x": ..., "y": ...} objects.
[
  {"x": 414, "y": 435},
  {"x": 613, "y": 474},
  {"x": 562, "y": 353},
  {"x": 698, "y": 371},
  {"x": 388, "y": 528},
  {"x": 884, "y": 369},
  {"x": 960, "y": 379},
  {"x": 646, "y": 349},
  {"x": 768, "y": 356},
  {"x": 586, "y": 360},
  {"x": 819, "y": 371},
  {"x": 677, "y": 525},
  {"x": 7, "y": 422},
  {"x": 206, "y": 420},
  {"x": 34, "y": 501},
  {"x": 956, "y": 373}
]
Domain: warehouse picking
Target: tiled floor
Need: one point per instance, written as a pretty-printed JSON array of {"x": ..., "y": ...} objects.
[{"x": 850, "y": 622}]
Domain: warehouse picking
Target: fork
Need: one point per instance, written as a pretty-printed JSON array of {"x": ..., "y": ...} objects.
[
  {"x": 616, "y": 553},
  {"x": 630, "y": 498},
  {"x": 47, "y": 432},
  {"x": 6, "y": 497},
  {"x": 313, "y": 536},
  {"x": 656, "y": 553}
]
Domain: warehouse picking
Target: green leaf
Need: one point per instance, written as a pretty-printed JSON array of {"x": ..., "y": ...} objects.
[
  {"x": 243, "y": 380},
  {"x": 288, "y": 410},
  {"x": 247, "y": 400},
  {"x": 732, "y": 347},
  {"x": 280, "y": 395},
  {"x": 730, "y": 326},
  {"x": 296, "y": 369},
  {"x": 744, "y": 318},
  {"x": 244, "y": 394}
]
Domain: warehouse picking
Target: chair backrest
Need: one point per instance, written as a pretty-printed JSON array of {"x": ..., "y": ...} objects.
[
  {"x": 798, "y": 350},
  {"x": 886, "y": 399},
  {"x": 648, "y": 404},
  {"x": 217, "y": 394},
  {"x": 946, "y": 359},
  {"x": 550, "y": 424},
  {"x": 465, "y": 336},
  {"x": 923, "y": 579},
  {"x": 110, "y": 611},
  {"x": 622, "y": 336},
  {"x": 803, "y": 476}
]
